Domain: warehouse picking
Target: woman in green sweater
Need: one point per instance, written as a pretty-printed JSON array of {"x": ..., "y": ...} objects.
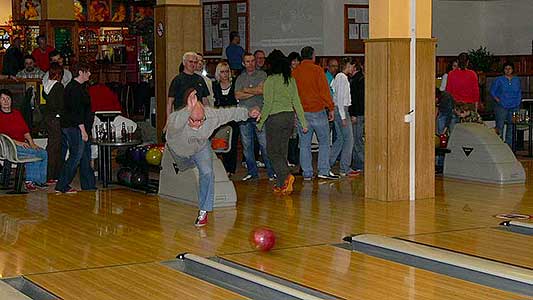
[{"x": 280, "y": 102}]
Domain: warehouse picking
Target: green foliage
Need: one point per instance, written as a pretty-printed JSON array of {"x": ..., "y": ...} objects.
[{"x": 481, "y": 59}]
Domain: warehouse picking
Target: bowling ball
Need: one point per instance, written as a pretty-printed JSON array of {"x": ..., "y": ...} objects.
[
  {"x": 262, "y": 239},
  {"x": 154, "y": 156},
  {"x": 137, "y": 154},
  {"x": 139, "y": 179},
  {"x": 144, "y": 150},
  {"x": 219, "y": 144},
  {"x": 124, "y": 176},
  {"x": 443, "y": 140}
]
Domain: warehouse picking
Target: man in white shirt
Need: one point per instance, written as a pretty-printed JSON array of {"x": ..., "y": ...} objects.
[{"x": 342, "y": 99}]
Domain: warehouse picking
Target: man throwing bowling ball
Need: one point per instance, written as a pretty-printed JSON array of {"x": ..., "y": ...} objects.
[{"x": 188, "y": 132}]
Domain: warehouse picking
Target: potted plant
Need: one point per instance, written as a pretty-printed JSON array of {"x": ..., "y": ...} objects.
[{"x": 481, "y": 60}]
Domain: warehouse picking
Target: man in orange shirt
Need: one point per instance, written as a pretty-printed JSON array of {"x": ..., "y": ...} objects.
[
  {"x": 315, "y": 95},
  {"x": 41, "y": 54}
]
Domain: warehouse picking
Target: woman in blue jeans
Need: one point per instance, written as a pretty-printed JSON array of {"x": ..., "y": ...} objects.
[
  {"x": 507, "y": 93},
  {"x": 76, "y": 122},
  {"x": 13, "y": 125}
]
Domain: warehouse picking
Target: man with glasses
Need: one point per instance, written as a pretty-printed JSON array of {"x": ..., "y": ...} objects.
[
  {"x": 183, "y": 81},
  {"x": 189, "y": 130}
]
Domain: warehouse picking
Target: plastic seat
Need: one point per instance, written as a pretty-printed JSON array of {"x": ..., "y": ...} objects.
[
  {"x": 10, "y": 149},
  {"x": 6, "y": 167}
]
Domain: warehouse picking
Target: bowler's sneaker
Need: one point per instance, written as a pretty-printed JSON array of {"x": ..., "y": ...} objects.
[{"x": 201, "y": 220}]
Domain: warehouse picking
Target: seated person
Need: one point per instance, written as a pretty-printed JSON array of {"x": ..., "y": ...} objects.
[
  {"x": 445, "y": 105},
  {"x": 30, "y": 71},
  {"x": 466, "y": 113},
  {"x": 13, "y": 125}
]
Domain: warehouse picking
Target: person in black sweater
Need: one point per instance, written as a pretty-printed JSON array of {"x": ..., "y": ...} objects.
[
  {"x": 357, "y": 114},
  {"x": 224, "y": 94},
  {"x": 76, "y": 123},
  {"x": 53, "y": 92},
  {"x": 13, "y": 59}
]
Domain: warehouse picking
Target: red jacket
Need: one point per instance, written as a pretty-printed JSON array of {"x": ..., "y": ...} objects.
[
  {"x": 13, "y": 125},
  {"x": 463, "y": 86},
  {"x": 103, "y": 99},
  {"x": 42, "y": 61}
]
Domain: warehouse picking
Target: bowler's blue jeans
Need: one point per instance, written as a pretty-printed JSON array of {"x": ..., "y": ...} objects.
[{"x": 317, "y": 122}]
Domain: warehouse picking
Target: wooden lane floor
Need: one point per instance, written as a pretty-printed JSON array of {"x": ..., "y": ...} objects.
[
  {"x": 490, "y": 243},
  {"x": 352, "y": 275},
  {"x": 48, "y": 232},
  {"x": 139, "y": 281}
]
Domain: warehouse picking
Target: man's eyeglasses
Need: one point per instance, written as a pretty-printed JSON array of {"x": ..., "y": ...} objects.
[{"x": 197, "y": 121}]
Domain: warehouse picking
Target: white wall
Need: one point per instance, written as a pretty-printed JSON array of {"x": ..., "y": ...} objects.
[
  {"x": 509, "y": 26},
  {"x": 457, "y": 26},
  {"x": 286, "y": 25},
  {"x": 503, "y": 26}
]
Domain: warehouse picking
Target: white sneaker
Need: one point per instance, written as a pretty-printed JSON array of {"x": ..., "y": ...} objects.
[
  {"x": 201, "y": 220},
  {"x": 248, "y": 177}
]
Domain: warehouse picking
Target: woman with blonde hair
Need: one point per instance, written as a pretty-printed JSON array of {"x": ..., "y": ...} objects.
[{"x": 224, "y": 94}]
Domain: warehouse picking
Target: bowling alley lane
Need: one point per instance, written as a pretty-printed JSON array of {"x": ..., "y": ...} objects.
[
  {"x": 140, "y": 281},
  {"x": 492, "y": 243},
  {"x": 353, "y": 275}
]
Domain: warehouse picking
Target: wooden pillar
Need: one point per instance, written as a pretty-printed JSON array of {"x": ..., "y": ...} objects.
[
  {"x": 387, "y": 101},
  {"x": 181, "y": 21}
]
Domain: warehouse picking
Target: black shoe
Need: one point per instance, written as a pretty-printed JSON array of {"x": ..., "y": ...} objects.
[{"x": 329, "y": 176}]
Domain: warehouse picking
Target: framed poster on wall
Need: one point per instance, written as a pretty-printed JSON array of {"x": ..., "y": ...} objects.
[
  {"x": 219, "y": 19},
  {"x": 356, "y": 28}
]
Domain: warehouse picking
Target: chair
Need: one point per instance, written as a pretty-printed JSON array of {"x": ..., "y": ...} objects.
[
  {"x": 10, "y": 149},
  {"x": 6, "y": 168}
]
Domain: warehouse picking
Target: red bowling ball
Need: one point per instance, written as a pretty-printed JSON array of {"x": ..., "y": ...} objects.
[{"x": 263, "y": 239}]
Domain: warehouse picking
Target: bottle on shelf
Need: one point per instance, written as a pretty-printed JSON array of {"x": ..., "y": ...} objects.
[{"x": 123, "y": 133}]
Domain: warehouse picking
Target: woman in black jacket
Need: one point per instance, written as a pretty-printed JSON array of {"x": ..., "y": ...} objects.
[
  {"x": 224, "y": 94},
  {"x": 53, "y": 92}
]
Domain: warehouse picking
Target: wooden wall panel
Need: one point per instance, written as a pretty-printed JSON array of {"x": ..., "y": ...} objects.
[
  {"x": 387, "y": 135},
  {"x": 182, "y": 32},
  {"x": 425, "y": 118},
  {"x": 376, "y": 120},
  {"x": 398, "y": 130}
]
